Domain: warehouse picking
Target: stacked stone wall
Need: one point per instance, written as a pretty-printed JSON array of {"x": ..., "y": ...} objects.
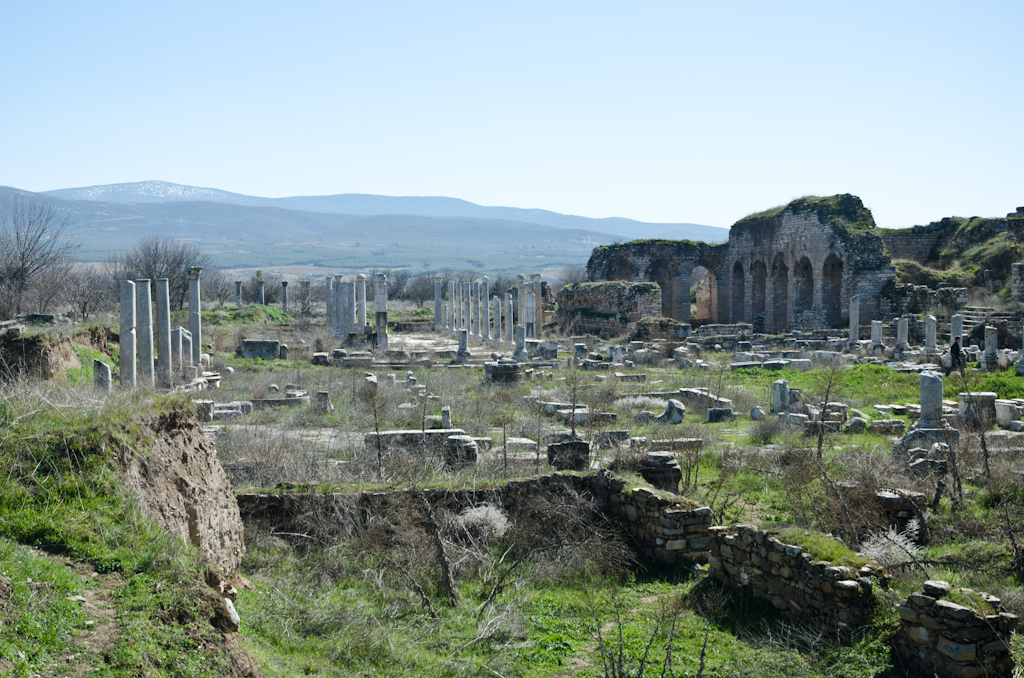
[
  {"x": 941, "y": 638},
  {"x": 921, "y": 244},
  {"x": 898, "y": 299},
  {"x": 751, "y": 560},
  {"x": 607, "y": 309},
  {"x": 666, "y": 528}
]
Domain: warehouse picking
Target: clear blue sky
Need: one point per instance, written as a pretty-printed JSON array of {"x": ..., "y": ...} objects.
[{"x": 660, "y": 111}]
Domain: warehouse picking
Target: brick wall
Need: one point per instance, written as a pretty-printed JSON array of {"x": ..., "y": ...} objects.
[{"x": 607, "y": 309}]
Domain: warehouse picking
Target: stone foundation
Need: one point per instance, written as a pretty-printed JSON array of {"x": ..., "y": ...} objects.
[
  {"x": 607, "y": 309},
  {"x": 751, "y": 560},
  {"x": 941, "y": 638}
]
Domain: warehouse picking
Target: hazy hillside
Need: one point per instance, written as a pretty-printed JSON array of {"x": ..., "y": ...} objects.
[
  {"x": 363, "y": 204},
  {"x": 240, "y": 235}
]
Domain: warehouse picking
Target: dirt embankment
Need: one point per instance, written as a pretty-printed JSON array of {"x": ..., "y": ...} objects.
[
  {"x": 42, "y": 356},
  {"x": 184, "y": 489}
]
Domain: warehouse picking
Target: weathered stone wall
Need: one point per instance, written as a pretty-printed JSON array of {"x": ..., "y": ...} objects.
[
  {"x": 669, "y": 529},
  {"x": 749, "y": 559},
  {"x": 812, "y": 254},
  {"x": 899, "y": 299},
  {"x": 607, "y": 309},
  {"x": 941, "y": 638},
  {"x": 921, "y": 243}
]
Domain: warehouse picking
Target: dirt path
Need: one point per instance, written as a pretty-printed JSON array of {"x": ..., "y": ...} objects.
[{"x": 101, "y": 631}]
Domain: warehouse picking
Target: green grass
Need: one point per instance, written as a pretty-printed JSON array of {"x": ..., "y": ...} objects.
[
  {"x": 820, "y": 546},
  {"x": 247, "y": 315}
]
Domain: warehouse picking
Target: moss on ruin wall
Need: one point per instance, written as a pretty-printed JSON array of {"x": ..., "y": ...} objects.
[{"x": 845, "y": 214}]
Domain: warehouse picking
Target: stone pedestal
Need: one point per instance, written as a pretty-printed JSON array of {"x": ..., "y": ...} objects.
[
  {"x": 854, "y": 318},
  {"x": 163, "y": 330},
  {"x": 195, "y": 322},
  {"x": 930, "y": 324},
  {"x": 902, "y": 332},
  {"x": 101, "y": 377},
  {"x": 931, "y": 401},
  {"x": 989, "y": 360},
  {"x": 780, "y": 396},
  {"x": 978, "y": 409},
  {"x": 144, "y": 333},
  {"x": 446, "y": 417},
  {"x": 381, "y": 304},
  {"x": 463, "y": 354},
  {"x": 876, "y": 334},
  {"x": 520, "y": 353}
]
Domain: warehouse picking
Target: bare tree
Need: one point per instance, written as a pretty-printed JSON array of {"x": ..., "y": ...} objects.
[
  {"x": 33, "y": 240},
  {"x": 87, "y": 291},
  {"x": 420, "y": 289},
  {"x": 571, "y": 275},
  {"x": 155, "y": 257}
]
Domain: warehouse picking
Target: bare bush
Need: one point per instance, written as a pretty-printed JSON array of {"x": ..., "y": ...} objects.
[{"x": 33, "y": 244}]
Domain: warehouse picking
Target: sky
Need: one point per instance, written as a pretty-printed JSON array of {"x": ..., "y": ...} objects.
[{"x": 697, "y": 112}]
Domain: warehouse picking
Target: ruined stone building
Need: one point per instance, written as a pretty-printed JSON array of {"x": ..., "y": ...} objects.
[{"x": 792, "y": 267}]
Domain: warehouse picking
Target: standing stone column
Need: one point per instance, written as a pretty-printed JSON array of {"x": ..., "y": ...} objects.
[
  {"x": 284, "y": 296},
  {"x": 381, "y": 303},
  {"x": 127, "y": 334},
  {"x": 991, "y": 348},
  {"x": 520, "y": 353},
  {"x": 238, "y": 294},
  {"x": 463, "y": 353},
  {"x": 474, "y": 309},
  {"x": 305, "y": 297},
  {"x": 780, "y": 396},
  {"x": 263, "y": 296},
  {"x": 451, "y": 306},
  {"x": 521, "y": 300},
  {"x": 497, "y": 320},
  {"x": 349, "y": 290},
  {"x": 531, "y": 315},
  {"x": 466, "y": 314},
  {"x": 538, "y": 304},
  {"x": 176, "y": 347},
  {"x": 438, "y": 325},
  {"x": 509, "y": 319},
  {"x": 929, "y": 335},
  {"x": 195, "y": 321},
  {"x": 186, "y": 349},
  {"x": 854, "y": 318},
  {"x": 902, "y": 331},
  {"x": 956, "y": 328},
  {"x": 485, "y": 309},
  {"x": 144, "y": 333},
  {"x": 361, "y": 303},
  {"x": 163, "y": 329},
  {"x": 931, "y": 401},
  {"x": 339, "y": 306},
  {"x": 329, "y": 291}
]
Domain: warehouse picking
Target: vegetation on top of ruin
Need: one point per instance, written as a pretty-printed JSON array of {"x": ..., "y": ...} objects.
[
  {"x": 651, "y": 242},
  {"x": 844, "y": 213},
  {"x": 818, "y": 544},
  {"x": 610, "y": 284}
]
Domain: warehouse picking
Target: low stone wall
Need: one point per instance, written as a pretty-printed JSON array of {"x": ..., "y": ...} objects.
[
  {"x": 607, "y": 309},
  {"x": 666, "y": 528},
  {"x": 749, "y": 559},
  {"x": 939, "y": 637}
]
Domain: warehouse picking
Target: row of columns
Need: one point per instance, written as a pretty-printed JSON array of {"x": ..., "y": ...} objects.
[
  {"x": 176, "y": 349},
  {"x": 903, "y": 330},
  {"x": 261, "y": 297},
  {"x": 470, "y": 309},
  {"x": 346, "y": 306}
]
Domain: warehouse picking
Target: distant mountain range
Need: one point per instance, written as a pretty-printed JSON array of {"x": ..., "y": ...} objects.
[
  {"x": 365, "y": 204},
  {"x": 305, "y": 235}
]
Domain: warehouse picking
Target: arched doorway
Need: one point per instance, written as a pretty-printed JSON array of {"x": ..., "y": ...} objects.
[
  {"x": 739, "y": 289},
  {"x": 703, "y": 297},
  {"x": 758, "y": 294},
  {"x": 832, "y": 289},
  {"x": 803, "y": 286},
  {"x": 663, "y": 272},
  {"x": 780, "y": 293}
]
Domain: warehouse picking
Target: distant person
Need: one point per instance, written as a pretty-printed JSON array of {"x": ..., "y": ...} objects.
[{"x": 956, "y": 357}]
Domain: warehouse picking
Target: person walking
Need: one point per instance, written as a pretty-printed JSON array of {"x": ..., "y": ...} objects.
[{"x": 956, "y": 359}]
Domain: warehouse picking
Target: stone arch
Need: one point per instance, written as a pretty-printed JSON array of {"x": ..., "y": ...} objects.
[
  {"x": 803, "y": 286},
  {"x": 664, "y": 272},
  {"x": 780, "y": 293},
  {"x": 619, "y": 267},
  {"x": 739, "y": 293},
  {"x": 703, "y": 297},
  {"x": 758, "y": 294},
  {"x": 831, "y": 289}
]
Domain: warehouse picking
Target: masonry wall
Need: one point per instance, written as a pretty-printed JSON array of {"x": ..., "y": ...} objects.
[
  {"x": 607, "y": 309},
  {"x": 749, "y": 559},
  {"x": 668, "y": 529},
  {"x": 941, "y": 638}
]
